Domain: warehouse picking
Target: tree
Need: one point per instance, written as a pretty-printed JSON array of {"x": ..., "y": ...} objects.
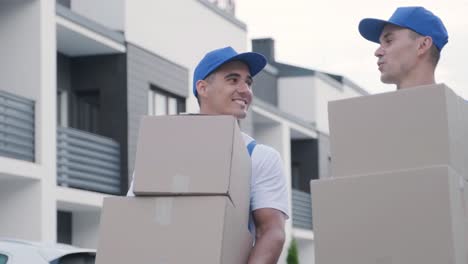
[{"x": 293, "y": 257}]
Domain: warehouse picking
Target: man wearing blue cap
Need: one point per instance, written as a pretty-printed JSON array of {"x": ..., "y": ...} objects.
[
  {"x": 410, "y": 45},
  {"x": 222, "y": 83}
]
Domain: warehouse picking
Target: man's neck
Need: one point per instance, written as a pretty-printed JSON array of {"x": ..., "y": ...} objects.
[
  {"x": 419, "y": 77},
  {"x": 415, "y": 83}
]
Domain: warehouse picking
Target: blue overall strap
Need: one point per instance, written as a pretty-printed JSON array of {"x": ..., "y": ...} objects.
[
  {"x": 251, "y": 146},
  {"x": 250, "y": 149}
]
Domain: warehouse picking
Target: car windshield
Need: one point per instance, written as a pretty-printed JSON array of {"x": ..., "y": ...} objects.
[
  {"x": 3, "y": 259},
  {"x": 76, "y": 258}
]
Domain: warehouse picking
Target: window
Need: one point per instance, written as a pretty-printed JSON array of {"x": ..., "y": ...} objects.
[
  {"x": 75, "y": 258},
  {"x": 164, "y": 103},
  {"x": 3, "y": 259},
  {"x": 64, "y": 227},
  {"x": 85, "y": 110}
]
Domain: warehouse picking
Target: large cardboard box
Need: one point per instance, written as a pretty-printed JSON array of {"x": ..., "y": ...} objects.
[
  {"x": 410, "y": 128},
  {"x": 463, "y": 106},
  {"x": 166, "y": 230},
  {"x": 411, "y": 216},
  {"x": 192, "y": 155}
]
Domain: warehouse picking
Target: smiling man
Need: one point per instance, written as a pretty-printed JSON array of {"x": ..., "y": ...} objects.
[
  {"x": 222, "y": 84},
  {"x": 410, "y": 45}
]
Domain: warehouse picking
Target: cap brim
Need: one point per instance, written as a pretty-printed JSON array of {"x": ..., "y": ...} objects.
[
  {"x": 371, "y": 28},
  {"x": 255, "y": 61}
]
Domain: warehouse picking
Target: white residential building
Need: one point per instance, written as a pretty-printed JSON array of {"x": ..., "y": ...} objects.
[{"x": 77, "y": 75}]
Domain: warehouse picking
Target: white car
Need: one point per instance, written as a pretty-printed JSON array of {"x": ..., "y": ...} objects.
[{"x": 13, "y": 251}]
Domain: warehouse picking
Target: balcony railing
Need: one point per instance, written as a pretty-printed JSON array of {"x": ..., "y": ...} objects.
[
  {"x": 301, "y": 209},
  {"x": 16, "y": 127},
  {"x": 87, "y": 161}
]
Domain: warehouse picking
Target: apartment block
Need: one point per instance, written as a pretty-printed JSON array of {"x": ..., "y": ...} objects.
[{"x": 76, "y": 76}]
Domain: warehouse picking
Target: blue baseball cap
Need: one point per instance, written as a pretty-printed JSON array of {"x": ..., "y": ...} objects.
[
  {"x": 416, "y": 18},
  {"x": 214, "y": 59}
]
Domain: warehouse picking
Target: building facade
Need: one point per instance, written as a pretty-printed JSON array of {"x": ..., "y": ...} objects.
[{"x": 77, "y": 76}]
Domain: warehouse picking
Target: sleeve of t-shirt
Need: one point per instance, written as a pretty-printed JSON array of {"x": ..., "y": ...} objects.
[{"x": 269, "y": 186}]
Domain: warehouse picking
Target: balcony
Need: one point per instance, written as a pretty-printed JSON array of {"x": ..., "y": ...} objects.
[
  {"x": 16, "y": 127},
  {"x": 301, "y": 209},
  {"x": 87, "y": 161}
]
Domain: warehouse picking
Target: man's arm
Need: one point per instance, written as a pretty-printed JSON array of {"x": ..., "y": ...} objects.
[{"x": 270, "y": 236}]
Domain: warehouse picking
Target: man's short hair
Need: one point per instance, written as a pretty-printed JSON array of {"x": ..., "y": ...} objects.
[
  {"x": 434, "y": 52},
  {"x": 208, "y": 79}
]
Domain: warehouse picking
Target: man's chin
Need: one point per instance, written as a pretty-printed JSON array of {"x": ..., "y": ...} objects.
[
  {"x": 240, "y": 115},
  {"x": 385, "y": 79}
]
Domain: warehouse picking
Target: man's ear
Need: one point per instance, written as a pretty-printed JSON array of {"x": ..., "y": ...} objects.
[
  {"x": 201, "y": 87},
  {"x": 424, "y": 45}
]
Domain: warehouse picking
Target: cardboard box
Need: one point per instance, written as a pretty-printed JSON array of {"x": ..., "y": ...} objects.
[
  {"x": 406, "y": 129},
  {"x": 411, "y": 216},
  {"x": 463, "y": 106},
  {"x": 192, "y": 155},
  {"x": 182, "y": 229}
]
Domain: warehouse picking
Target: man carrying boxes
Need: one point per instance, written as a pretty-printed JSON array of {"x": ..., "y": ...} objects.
[
  {"x": 398, "y": 159},
  {"x": 195, "y": 201}
]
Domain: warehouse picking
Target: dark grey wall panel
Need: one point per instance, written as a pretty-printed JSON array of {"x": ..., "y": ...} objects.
[
  {"x": 304, "y": 155},
  {"x": 265, "y": 87},
  {"x": 64, "y": 227},
  {"x": 145, "y": 69},
  {"x": 108, "y": 75},
  {"x": 265, "y": 46},
  {"x": 63, "y": 72},
  {"x": 324, "y": 156}
]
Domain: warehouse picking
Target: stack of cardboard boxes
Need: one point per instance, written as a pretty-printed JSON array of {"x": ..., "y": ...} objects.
[
  {"x": 400, "y": 163},
  {"x": 192, "y": 187}
]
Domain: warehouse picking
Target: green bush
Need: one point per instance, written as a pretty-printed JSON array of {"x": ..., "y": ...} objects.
[{"x": 293, "y": 257}]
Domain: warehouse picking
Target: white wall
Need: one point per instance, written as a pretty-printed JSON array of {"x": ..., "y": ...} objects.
[
  {"x": 28, "y": 69},
  {"x": 181, "y": 31},
  {"x": 277, "y": 135},
  {"x": 307, "y": 97},
  {"x": 85, "y": 228},
  {"x": 19, "y": 51},
  {"x": 269, "y": 134},
  {"x": 296, "y": 95},
  {"x": 286, "y": 155},
  {"x": 306, "y": 251},
  {"x": 109, "y": 13},
  {"x": 20, "y": 209},
  {"x": 46, "y": 121},
  {"x": 349, "y": 92},
  {"x": 327, "y": 89}
]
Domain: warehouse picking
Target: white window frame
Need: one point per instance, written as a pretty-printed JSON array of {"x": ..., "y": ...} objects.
[{"x": 170, "y": 106}]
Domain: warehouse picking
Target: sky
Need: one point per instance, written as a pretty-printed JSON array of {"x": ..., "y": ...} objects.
[{"x": 323, "y": 35}]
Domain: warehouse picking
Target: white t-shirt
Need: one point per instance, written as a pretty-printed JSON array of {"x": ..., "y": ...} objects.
[{"x": 268, "y": 187}]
